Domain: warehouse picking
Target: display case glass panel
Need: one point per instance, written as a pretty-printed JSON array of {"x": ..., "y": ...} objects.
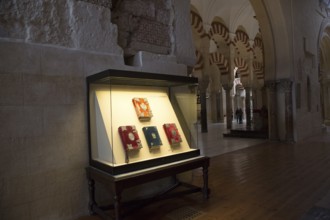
[{"x": 140, "y": 120}]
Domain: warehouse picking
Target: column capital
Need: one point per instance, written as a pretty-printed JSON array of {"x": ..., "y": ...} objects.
[
  {"x": 271, "y": 85},
  {"x": 227, "y": 86},
  {"x": 285, "y": 85},
  {"x": 325, "y": 82},
  {"x": 203, "y": 83}
]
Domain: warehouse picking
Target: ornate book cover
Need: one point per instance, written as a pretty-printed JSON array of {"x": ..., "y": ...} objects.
[
  {"x": 172, "y": 134},
  {"x": 152, "y": 136},
  {"x": 142, "y": 108},
  {"x": 129, "y": 137}
]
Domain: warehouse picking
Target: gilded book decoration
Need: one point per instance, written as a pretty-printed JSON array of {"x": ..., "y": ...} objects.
[
  {"x": 172, "y": 134},
  {"x": 129, "y": 137},
  {"x": 142, "y": 108},
  {"x": 152, "y": 136}
]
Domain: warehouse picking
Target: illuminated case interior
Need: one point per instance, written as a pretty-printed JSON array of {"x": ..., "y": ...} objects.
[{"x": 172, "y": 99}]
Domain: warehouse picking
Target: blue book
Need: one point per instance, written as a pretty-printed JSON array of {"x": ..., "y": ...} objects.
[{"x": 152, "y": 136}]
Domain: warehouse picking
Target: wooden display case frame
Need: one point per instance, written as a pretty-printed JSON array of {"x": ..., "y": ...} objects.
[
  {"x": 116, "y": 179},
  {"x": 116, "y": 184},
  {"x": 122, "y": 77}
]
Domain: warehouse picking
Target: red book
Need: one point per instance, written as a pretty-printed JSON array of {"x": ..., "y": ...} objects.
[
  {"x": 142, "y": 108},
  {"x": 129, "y": 137},
  {"x": 172, "y": 134}
]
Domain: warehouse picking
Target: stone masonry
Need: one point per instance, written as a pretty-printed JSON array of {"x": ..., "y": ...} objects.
[
  {"x": 144, "y": 26},
  {"x": 47, "y": 48},
  {"x": 68, "y": 23}
]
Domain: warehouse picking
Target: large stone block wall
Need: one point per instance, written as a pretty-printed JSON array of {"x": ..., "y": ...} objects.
[
  {"x": 154, "y": 26},
  {"x": 43, "y": 127},
  {"x": 144, "y": 25},
  {"x": 68, "y": 23},
  {"x": 47, "y": 48}
]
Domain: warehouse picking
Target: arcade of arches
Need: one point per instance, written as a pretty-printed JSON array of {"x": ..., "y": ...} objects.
[
  {"x": 239, "y": 68},
  {"x": 254, "y": 55}
]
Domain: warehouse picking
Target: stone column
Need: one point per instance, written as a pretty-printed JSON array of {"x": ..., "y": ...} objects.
[
  {"x": 272, "y": 115},
  {"x": 219, "y": 107},
  {"x": 237, "y": 104},
  {"x": 237, "y": 101},
  {"x": 248, "y": 106},
  {"x": 322, "y": 102},
  {"x": 203, "y": 84},
  {"x": 213, "y": 106},
  {"x": 263, "y": 96},
  {"x": 259, "y": 97},
  {"x": 286, "y": 86},
  {"x": 326, "y": 102},
  {"x": 229, "y": 110},
  {"x": 242, "y": 102},
  {"x": 255, "y": 98},
  {"x": 216, "y": 106}
]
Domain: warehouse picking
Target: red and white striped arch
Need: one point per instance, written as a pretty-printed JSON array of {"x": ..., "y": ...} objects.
[
  {"x": 258, "y": 70},
  {"x": 217, "y": 28},
  {"x": 239, "y": 87},
  {"x": 258, "y": 42},
  {"x": 241, "y": 42},
  {"x": 242, "y": 66},
  {"x": 258, "y": 49},
  {"x": 199, "y": 60},
  {"x": 197, "y": 24},
  {"x": 220, "y": 60}
]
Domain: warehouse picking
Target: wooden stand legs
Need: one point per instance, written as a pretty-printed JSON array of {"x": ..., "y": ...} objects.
[
  {"x": 116, "y": 184},
  {"x": 205, "y": 189},
  {"x": 91, "y": 190}
]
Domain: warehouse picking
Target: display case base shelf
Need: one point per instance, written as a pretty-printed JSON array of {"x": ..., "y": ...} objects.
[
  {"x": 136, "y": 166},
  {"x": 116, "y": 184}
]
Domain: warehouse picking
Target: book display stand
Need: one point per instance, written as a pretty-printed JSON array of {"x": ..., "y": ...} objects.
[{"x": 142, "y": 127}]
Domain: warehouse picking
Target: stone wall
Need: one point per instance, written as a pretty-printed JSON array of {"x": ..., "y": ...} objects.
[
  {"x": 47, "y": 48},
  {"x": 67, "y": 23},
  {"x": 43, "y": 128},
  {"x": 144, "y": 26},
  {"x": 42, "y": 134},
  {"x": 154, "y": 26},
  {"x": 306, "y": 27}
]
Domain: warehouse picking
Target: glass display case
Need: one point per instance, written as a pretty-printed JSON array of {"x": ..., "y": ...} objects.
[{"x": 140, "y": 120}]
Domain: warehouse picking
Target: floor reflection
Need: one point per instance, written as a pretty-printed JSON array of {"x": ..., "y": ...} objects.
[{"x": 213, "y": 143}]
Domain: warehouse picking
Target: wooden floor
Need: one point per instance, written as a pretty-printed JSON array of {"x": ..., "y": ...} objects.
[{"x": 267, "y": 181}]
